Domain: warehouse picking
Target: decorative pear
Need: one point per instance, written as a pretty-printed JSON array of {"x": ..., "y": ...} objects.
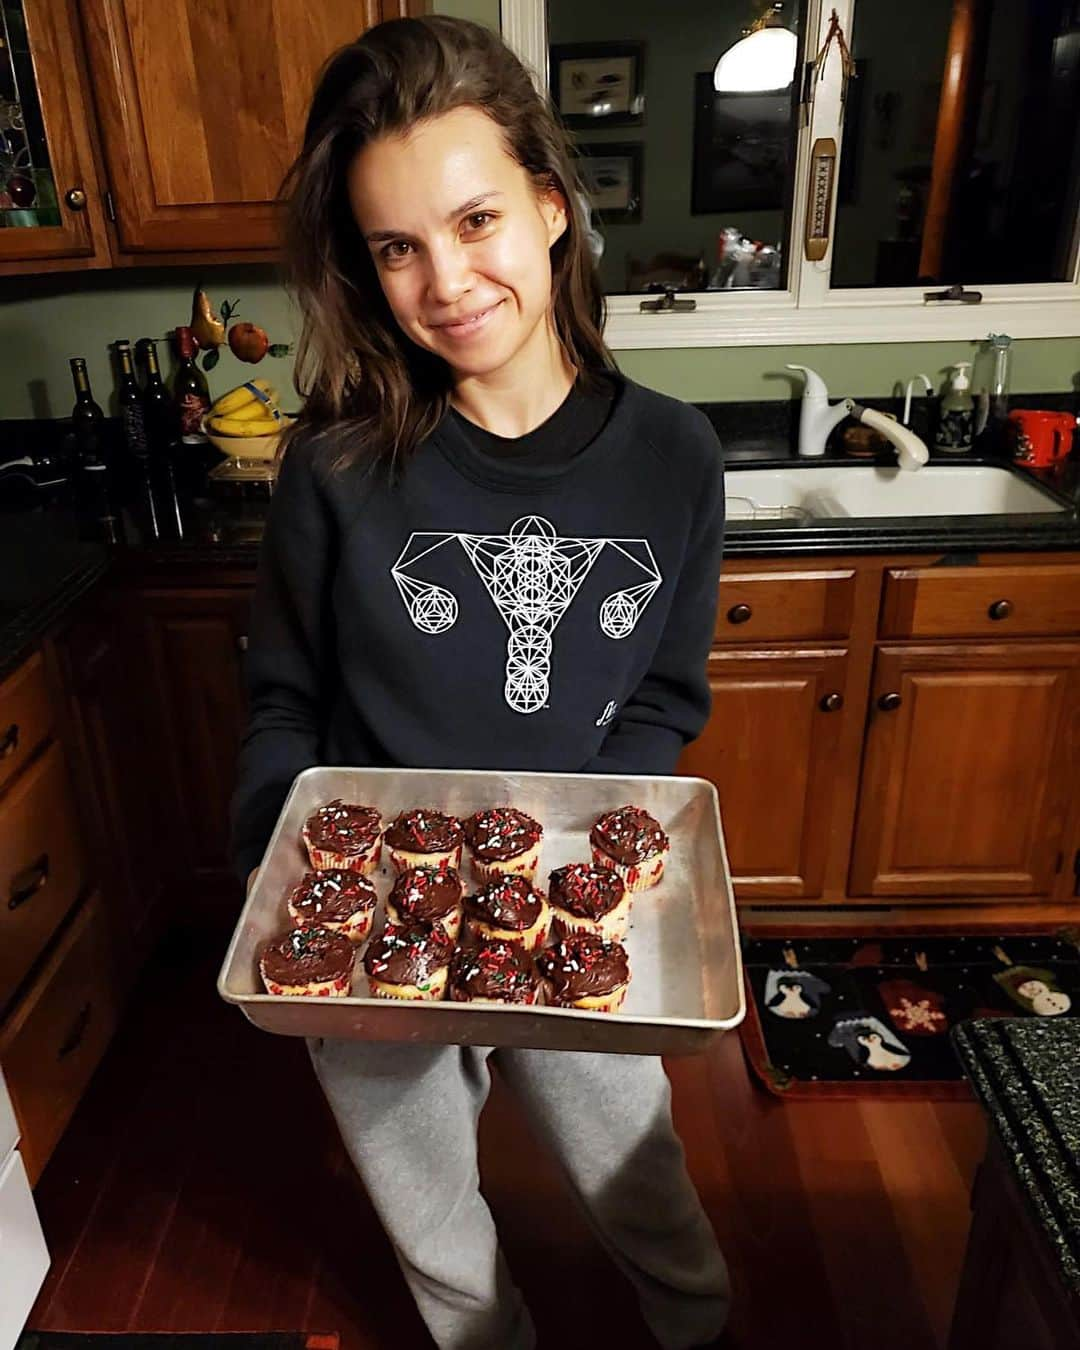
[{"x": 206, "y": 326}]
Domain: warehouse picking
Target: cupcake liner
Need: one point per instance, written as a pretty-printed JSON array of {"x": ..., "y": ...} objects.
[
  {"x": 324, "y": 860},
  {"x": 338, "y": 988},
  {"x": 402, "y": 859},
  {"x": 449, "y": 923},
  {"x": 522, "y": 865},
  {"x": 606, "y": 1003},
  {"x": 636, "y": 876},
  {"x": 411, "y": 993},
  {"x": 612, "y": 926},
  {"x": 356, "y": 927},
  {"x": 529, "y": 938}
]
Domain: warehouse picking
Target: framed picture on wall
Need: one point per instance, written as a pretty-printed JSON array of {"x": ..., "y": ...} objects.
[
  {"x": 599, "y": 83},
  {"x": 743, "y": 144},
  {"x": 612, "y": 174}
]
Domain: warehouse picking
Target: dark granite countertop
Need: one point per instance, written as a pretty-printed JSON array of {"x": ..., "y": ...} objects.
[{"x": 1026, "y": 1073}]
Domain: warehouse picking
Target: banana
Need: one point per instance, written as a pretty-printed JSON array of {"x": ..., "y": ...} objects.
[
  {"x": 249, "y": 412},
  {"x": 259, "y": 391},
  {"x": 235, "y": 426}
]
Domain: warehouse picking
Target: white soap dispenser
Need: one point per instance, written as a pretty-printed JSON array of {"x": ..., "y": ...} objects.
[
  {"x": 817, "y": 416},
  {"x": 956, "y": 425}
]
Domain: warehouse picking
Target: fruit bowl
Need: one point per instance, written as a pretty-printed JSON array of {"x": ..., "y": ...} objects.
[{"x": 247, "y": 447}]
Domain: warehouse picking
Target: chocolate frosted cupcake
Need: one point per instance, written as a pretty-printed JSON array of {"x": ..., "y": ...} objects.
[
  {"x": 633, "y": 844},
  {"x": 503, "y": 842},
  {"x": 409, "y": 961},
  {"x": 307, "y": 961},
  {"x": 344, "y": 836},
  {"x": 427, "y": 895},
  {"x": 339, "y": 900},
  {"x": 495, "y": 972},
  {"x": 585, "y": 898},
  {"x": 585, "y": 971},
  {"x": 510, "y": 910},
  {"x": 423, "y": 838}
]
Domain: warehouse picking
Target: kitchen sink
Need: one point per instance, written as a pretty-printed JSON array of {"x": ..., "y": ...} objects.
[{"x": 822, "y": 492}]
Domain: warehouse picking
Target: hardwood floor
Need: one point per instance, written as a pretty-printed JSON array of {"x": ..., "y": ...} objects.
[{"x": 201, "y": 1187}]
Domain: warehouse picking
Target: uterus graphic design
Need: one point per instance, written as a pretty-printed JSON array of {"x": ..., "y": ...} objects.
[{"x": 532, "y": 574}]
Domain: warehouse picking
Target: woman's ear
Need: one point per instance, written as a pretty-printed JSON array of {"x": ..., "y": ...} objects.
[{"x": 554, "y": 210}]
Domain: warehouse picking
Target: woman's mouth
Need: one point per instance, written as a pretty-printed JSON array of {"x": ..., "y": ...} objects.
[{"x": 475, "y": 323}]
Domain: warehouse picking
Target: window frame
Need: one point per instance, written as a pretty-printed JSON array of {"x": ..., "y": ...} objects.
[{"x": 810, "y": 310}]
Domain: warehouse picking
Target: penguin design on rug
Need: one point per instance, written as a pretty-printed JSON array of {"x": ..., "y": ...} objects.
[
  {"x": 869, "y": 1042},
  {"x": 794, "y": 993}
]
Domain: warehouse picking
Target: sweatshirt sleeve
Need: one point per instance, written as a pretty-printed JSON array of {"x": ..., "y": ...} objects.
[
  {"x": 671, "y": 705},
  {"x": 286, "y": 667}
]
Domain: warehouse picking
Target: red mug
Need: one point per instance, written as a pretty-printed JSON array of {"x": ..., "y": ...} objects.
[{"x": 1041, "y": 438}]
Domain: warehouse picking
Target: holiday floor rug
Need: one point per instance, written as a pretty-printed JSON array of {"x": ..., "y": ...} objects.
[{"x": 853, "y": 1017}]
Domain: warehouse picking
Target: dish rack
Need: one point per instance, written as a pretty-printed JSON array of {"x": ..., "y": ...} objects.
[{"x": 742, "y": 507}]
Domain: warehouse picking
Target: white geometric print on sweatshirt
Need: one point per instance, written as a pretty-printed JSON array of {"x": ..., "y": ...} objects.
[{"x": 532, "y": 575}]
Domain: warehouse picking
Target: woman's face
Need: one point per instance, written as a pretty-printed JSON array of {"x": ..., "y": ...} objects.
[{"x": 460, "y": 239}]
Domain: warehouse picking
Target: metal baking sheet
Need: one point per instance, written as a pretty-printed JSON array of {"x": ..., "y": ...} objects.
[{"x": 686, "y": 985}]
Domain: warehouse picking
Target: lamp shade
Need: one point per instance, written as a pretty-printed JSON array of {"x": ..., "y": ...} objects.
[{"x": 763, "y": 60}]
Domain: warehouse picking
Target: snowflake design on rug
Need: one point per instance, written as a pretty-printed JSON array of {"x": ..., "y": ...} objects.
[
  {"x": 532, "y": 575},
  {"x": 917, "y": 1016}
]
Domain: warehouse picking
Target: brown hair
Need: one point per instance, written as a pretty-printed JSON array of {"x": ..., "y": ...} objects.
[{"x": 369, "y": 391}]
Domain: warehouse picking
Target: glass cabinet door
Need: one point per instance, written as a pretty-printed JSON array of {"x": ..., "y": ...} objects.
[{"x": 45, "y": 196}]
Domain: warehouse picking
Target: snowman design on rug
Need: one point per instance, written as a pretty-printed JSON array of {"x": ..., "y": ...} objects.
[
  {"x": 794, "y": 993},
  {"x": 532, "y": 575},
  {"x": 869, "y": 1042}
]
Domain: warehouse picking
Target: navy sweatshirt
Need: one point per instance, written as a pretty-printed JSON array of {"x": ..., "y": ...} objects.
[{"x": 486, "y": 612}]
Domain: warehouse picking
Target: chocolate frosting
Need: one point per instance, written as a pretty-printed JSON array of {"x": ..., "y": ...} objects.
[
  {"x": 426, "y": 893},
  {"x": 584, "y": 966},
  {"x": 501, "y": 832},
  {"x": 628, "y": 835},
  {"x": 497, "y": 970},
  {"x": 585, "y": 890},
  {"x": 408, "y": 953},
  {"x": 333, "y": 895},
  {"x": 424, "y": 831},
  {"x": 343, "y": 827},
  {"x": 507, "y": 902},
  {"x": 306, "y": 955}
]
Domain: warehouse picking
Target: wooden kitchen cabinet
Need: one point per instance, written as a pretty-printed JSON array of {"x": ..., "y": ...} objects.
[
  {"x": 55, "y": 216},
  {"x": 971, "y": 758},
  {"x": 201, "y": 108},
  {"x": 195, "y": 639},
  {"x": 773, "y": 746}
]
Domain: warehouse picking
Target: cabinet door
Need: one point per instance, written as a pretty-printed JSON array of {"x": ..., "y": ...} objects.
[
  {"x": 50, "y": 204},
  {"x": 970, "y": 758},
  {"x": 196, "y": 638},
  {"x": 772, "y": 748},
  {"x": 202, "y": 107}
]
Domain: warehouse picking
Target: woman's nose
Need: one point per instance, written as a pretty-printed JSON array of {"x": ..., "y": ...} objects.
[{"x": 449, "y": 276}]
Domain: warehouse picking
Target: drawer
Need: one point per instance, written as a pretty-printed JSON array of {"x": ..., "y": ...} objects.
[
  {"x": 9, "y": 1131},
  {"x": 41, "y": 864},
  {"x": 785, "y": 606},
  {"x": 25, "y": 716},
  {"x": 54, "y": 1039},
  {"x": 24, "y": 1258},
  {"x": 1041, "y": 600}
]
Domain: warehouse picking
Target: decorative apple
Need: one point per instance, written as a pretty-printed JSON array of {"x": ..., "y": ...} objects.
[{"x": 248, "y": 342}]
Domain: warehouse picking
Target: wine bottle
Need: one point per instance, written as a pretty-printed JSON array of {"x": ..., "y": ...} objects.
[
  {"x": 159, "y": 417},
  {"x": 87, "y": 419},
  {"x": 94, "y": 490},
  {"x": 191, "y": 393},
  {"x": 133, "y": 430}
]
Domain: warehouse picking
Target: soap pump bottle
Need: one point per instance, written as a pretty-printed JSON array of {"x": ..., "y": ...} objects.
[{"x": 956, "y": 424}]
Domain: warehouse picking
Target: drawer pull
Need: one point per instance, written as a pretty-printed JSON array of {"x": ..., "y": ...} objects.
[
  {"x": 28, "y": 882},
  {"x": 10, "y": 742},
  {"x": 242, "y": 642},
  {"x": 1000, "y": 609},
  {"x": 739, "y": 613},
  {"x": 74, "y": 1038},
  {"x": 832, "y": 702},
  {"x": 889, "y": 702}
]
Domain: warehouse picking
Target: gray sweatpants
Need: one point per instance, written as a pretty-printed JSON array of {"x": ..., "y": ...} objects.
[{"x": 408, "y": 1116}]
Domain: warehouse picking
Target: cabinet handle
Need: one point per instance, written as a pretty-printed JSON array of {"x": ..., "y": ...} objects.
[
  {"x": 242, "y": 642},
  {"x": 10, "y": 742},
  {"x": 889, "y": 702},
  {"x": 28, "y": 882},
  {"x": 76, "y": 199},
  {"x": 1000, "y": 609},
  {"x": 832, "y": 702},
  {"x": 74, "y": 1038},
  {"x": 739, "y": 613}
]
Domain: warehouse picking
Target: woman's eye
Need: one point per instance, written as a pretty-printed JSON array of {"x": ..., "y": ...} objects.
[
  {"x": 479, "y": 219},
  {"x": 397, "y": 248}
]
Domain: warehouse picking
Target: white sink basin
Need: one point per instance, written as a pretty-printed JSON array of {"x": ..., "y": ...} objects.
[{"x": 861, "y": 490}]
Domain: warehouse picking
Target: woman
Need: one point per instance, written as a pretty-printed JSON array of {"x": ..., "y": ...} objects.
[{"x": 463, "y": 419}]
